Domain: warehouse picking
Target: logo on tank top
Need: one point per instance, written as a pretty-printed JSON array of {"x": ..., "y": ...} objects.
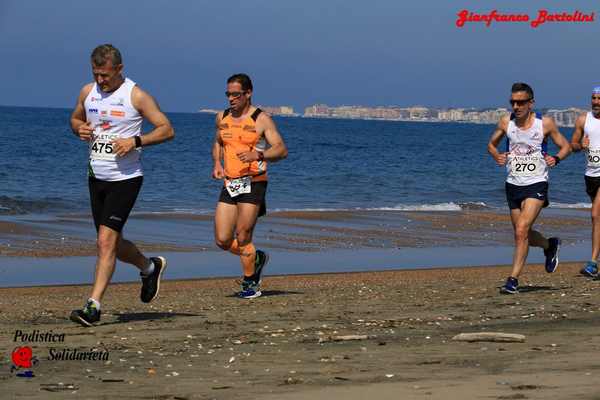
[
  {"x": 93, "y": 99},
  {"x": 93, "y": 110},
  {"x": 116, "y": 113},
  {"x": 105, "y": 125},
  {"x": 119, "y": 102},
  {"x": 521, "y": 149}
]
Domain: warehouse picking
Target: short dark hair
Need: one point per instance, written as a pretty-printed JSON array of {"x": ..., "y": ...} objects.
[
  {"x": 522, "y": 87},
  {"x": 105, "y": 52},
  {"x": 242, "y": 79}
]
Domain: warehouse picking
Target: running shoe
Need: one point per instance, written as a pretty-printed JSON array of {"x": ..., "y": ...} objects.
[
  {"x": 552, "y": 254},
  {"x": 262, "y": 258},
  {"x": 151, "y": 283},
  {"x": 86, "y": 316},
  {"x": 590, "y": 269},
  {"x": 250, "y": 290},
  {"x": 510, "y": 287}
]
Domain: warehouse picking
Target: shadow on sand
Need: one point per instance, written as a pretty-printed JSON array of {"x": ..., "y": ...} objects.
[
  {"x": 148, "y": 316},
  {"x": 266, "y": 293},
  {"x": 527, "y": 289}
]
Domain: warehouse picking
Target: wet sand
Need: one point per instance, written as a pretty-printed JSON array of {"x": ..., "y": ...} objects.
[
  {"x": 197, "y": 341},
  {"x": 306, "y": 231}
]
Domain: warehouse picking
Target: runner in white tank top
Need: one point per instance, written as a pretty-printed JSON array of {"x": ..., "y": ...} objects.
[
  {"x": 108, "y": 116},
  {"x": 586, "y": 136},
  {"x": 527, "y": 163}
]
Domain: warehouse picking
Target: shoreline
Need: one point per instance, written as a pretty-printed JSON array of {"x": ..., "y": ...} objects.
[
  {"x": 326, "y": 274},
  {"x": 302, "y": 231}
]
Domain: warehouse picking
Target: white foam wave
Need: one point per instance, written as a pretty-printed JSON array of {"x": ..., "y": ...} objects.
[
  {"x": 570, "y": 205},
  {"x": 451, "y": 206}
]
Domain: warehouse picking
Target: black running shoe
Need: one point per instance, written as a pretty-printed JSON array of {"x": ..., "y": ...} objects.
[
  {"x": 151, "y": 283},
  {"x": 262, "y": 258},
  {"x": 511, "y": 286},
  {"x": 87, "y": 316},
  {"x": 552, "y": 254}
]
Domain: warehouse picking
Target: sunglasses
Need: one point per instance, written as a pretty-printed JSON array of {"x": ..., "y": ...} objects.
[
  {"x": 235, "y": 95},
  {"x": 519, "y": 102}
]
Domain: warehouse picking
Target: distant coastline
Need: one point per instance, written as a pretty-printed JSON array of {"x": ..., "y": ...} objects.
[{"x": 563, "y": 117}]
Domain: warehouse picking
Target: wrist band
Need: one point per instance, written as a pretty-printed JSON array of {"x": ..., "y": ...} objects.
[
  {"x": 556, "y": 159},
  {"x": 261, "y": 156},
  {"x": 138, "y": 142}
]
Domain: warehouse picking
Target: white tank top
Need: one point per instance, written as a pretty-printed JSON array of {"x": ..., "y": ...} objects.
[
  {"x": 526, "y": 148},
  {"x": 591, "y": 129},
  {"x": 112, "y": 116}
]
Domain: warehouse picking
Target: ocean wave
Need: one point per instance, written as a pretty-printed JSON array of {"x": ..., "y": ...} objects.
[
  {"x": 571, "y": 205},
  {"x": 450, "y": 206}
]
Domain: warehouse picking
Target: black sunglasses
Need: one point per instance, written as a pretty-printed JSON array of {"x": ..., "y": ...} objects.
[
  {"x": 235, "y": 95},
  {"x": 519, "y": 102}
]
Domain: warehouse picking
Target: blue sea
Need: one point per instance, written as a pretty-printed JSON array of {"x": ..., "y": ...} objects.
[
  {"x": 332, "y": 165},
  {"x": 352, "y": 195}
]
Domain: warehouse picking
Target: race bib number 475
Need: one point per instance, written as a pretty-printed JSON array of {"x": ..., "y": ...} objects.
[
  {"x": 101, "y": 147},
  {"x": 526, "y": 165}
]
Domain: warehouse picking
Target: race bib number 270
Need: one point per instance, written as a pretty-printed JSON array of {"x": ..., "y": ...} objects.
[
  {"x": 593, "y": 158},
  {"x": 526, "y": 165}
]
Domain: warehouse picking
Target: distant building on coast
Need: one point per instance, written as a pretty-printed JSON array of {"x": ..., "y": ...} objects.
[
  {"x": 565, "y": 117},
  {"x": 282, "y": 111},
  {"x": 420, "y": 113}
]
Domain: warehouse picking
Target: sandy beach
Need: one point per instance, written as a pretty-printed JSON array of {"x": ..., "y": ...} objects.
[{"x": 197, "y": 341}]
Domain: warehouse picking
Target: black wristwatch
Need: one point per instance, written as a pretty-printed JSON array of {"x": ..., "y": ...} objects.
[
  {"x": 138, "y": 142},
  {"x": 556, "y": 160}
]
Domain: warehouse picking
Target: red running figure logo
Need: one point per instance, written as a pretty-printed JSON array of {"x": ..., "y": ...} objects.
[{"x": 22, "y": 358}]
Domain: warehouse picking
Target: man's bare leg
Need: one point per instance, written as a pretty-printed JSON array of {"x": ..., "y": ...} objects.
[
  {"x": 105, "y": 264},
  {"x": 522, "y": 221}
]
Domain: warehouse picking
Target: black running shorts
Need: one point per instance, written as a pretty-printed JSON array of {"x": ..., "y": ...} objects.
[
  {"x": 258, "y": 191},
  {"x": 592, "y": 183},
  {"x": 112, "y": 201},
  {"x": 516, "y": 194}
]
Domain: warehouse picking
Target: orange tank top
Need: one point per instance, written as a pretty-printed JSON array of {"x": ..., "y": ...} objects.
[{"x": 240, "y": 136}]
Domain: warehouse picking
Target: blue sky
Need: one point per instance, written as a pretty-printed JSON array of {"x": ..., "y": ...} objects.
[{"x": 378, "y": 52}]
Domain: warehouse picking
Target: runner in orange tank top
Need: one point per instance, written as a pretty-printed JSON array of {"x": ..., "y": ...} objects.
[{"x": 245, "y": 141}]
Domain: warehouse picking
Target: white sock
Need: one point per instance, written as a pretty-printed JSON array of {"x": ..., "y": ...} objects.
[
  {"x": 149, "y": 268},
  {"x": 95, "y": 302}
]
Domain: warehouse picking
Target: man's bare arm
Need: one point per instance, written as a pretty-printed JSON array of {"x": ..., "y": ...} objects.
[
  {"x": 497, "y": 136},
  {"x": 79, "y": 124},
  {"x": 149, "y": 109},
  {"x": 217, "y": 152},
  {"x": 558, "y": 139},
  {"x": 576, "y": 138},
  {"x": 278, "y": 150}
]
